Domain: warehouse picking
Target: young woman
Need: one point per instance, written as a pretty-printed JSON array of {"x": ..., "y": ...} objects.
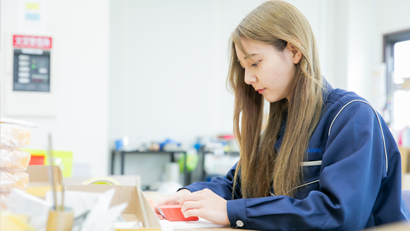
[{"x": 326, "y": 160}]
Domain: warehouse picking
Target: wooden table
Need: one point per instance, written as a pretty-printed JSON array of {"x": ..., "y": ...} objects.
[
  {"x": 401, "y": 226},
  {"x": 202, "y": 229}
]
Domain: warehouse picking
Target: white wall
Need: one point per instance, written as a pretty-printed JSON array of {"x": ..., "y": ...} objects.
[
  {"x": 362, "y": 40},
  {"x": 165, "y": 80},
  {"x": 168, "y": 67},
  {"x": 169, "y": 63},
  {"x": 393, "y": 15},
  {"x": 80, "y": 29}
]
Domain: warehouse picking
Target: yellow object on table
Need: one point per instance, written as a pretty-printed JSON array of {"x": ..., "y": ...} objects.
[
  {"x": 59, "y": 220},
  {"x": 101, "y": 180},
  {"x": 41, "y": 191},
  {"x": 14, "y": 222}
]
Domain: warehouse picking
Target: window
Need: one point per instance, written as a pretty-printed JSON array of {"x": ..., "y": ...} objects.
[{"x": 397, "y": 58}]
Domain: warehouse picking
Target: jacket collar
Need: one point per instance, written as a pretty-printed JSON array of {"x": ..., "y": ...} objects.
[{"x": 327, "y": 90}]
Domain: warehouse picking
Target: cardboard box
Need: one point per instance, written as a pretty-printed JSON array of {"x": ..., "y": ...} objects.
[
  {"x": 39, "y": 182},
  {"x": 406, "y": 84},
  {"x": 405, "y": 165},
  {"x": 138, "y": 208}
]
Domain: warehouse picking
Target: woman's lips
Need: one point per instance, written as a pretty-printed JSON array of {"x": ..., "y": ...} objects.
[{"x": 260, "y": 91}]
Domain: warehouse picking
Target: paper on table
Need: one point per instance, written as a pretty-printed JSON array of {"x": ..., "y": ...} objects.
[
  {"x": 21, "y": 202},
  {"x": 79, "y": 202},
  {"x": 133, "y": 224},
  {"x": 201, "y": 223},
  {"x": 99, "y": 210},
  {"x": 95, "y": 207},
  {"x": 110, "y": 216}
]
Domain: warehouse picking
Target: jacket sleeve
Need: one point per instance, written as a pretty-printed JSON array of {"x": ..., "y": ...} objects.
[
  {"x": 353, "y": 166},
  {"x": 219, "y": 185}
]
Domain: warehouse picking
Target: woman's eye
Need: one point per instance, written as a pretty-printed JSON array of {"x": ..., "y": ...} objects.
[{"x": 255, "y": 64}]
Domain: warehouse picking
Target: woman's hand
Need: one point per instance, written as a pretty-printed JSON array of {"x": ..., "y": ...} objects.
[
  {"x": 205, "y": 204},
  {"x": 173, "y": 199}
]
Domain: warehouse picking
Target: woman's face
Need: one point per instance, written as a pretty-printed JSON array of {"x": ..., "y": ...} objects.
[{"x": 271, "y": 71}]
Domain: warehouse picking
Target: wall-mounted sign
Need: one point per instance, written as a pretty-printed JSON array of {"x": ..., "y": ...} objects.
[
  {"x": 31, "y": 65},
  {"x": 25, "y": 41},
  {"x": 31, "y": 71}
]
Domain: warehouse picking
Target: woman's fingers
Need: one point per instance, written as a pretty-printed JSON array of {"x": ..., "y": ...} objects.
[
  {"x": 191, "y": 197},
  {"x": 206, "y": 204},
  {"x": 172, "y": 199},
  {"x": 188, "y": 205},
  {"x": 193, "y": 213}
]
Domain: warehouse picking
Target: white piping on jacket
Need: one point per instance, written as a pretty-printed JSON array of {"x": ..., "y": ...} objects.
[
  {"x": 312, "y": 163},
  {"x": 381, "y": 129},
  {"x": 319, "y": 162},
  {"x": 306, "y": 184},
  {"x": 312, "y": 182}
]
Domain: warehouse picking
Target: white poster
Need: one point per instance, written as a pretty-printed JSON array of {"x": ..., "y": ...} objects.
[{"x": 32, "y": 17}]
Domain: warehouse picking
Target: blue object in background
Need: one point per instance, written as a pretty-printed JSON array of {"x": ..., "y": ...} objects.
[
  {"x": 33, "y": 17},
  {"x": 197, "y": 146},
  {"x": 168, "y": 141},
  {"x": 119, "y": 144}
]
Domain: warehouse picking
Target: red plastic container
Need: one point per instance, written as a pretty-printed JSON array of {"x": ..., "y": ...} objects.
[
  {"x": 36, "y": 160},
  {"x": 173, "y": 213}
]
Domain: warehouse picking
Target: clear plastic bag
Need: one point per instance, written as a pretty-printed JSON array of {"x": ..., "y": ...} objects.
[
  {"x": 12, "y": 180},
  {"x": 3, "y": 200},
  {"x": 14, "y": 160},
  {"x": 14, "y": 136},
  {"x": 18, "y": 122}
]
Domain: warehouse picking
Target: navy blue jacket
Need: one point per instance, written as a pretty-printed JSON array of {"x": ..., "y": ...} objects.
[{"x": 352, "y": 176}]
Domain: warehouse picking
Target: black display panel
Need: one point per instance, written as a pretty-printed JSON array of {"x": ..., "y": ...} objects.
[{"x": 31, "y": 72}]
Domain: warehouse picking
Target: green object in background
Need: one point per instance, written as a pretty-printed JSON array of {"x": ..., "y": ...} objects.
[
  {"x": 63, "y": 159},
  {"x": 191, "y": 162}
]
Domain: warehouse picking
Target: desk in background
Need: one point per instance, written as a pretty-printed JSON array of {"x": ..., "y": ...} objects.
[{"x": 171, "y": 153}]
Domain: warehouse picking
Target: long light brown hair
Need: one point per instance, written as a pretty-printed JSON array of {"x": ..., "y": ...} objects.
[{"x": 276, "y": 23}]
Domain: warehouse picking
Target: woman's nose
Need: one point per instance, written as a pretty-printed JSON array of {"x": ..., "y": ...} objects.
[{"x": 250, "y": 78}]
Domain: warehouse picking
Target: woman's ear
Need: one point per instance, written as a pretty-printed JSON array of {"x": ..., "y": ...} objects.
[{"x": 296, "y": 54}]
